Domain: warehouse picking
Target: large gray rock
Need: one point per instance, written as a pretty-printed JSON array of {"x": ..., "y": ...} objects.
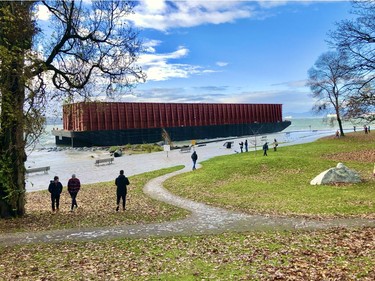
[{"x": 340, "y": 174}]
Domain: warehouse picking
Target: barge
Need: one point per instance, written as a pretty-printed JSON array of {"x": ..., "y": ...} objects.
[{"x": 120, "y": 123}]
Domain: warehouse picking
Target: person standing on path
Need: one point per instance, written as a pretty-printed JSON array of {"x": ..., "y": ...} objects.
[
  {"x": 55, "y": 188},
  {"x": 121, "y": 183},
  {"x": 246, "y": 146},
  {"x": 265, "y": 148},
  {"x": 194, "y": 157},
  {"x": 74, "y": 185}
]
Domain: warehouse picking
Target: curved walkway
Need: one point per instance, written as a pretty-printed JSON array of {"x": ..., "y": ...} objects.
[{"x": 204, "y": 219}]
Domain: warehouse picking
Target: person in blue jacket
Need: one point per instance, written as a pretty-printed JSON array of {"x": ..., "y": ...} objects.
[{"x": 55, "y": 188}]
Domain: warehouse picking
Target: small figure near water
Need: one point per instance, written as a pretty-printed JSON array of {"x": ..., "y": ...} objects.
[
  {"x": 366, "y": 129},
  {"x": 194, "y": 157},
  {"x": 275, "y": 145},
  {"x": 354, "y": 129},
  {"x": 337, "y": 134},
  {"x": 265, "y": 148},
  {"x": 55, "y": 188},
  {"x": 121, "y": 183},
  {"x": 74, "y": 185},
  {"x": 241, "y": 146},
  {"x": 246, "y": 146}
]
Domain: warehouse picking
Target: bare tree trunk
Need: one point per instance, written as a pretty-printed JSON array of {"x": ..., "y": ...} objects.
[
  {"x": 12, "y": 144},
  {"x": 340, "y": 126},
  {"x": 339, "y": 119},
  {"x": 16, "y": 37}
]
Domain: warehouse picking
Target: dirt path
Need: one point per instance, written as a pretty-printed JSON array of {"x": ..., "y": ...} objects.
[{"x": 204, "y": 219}]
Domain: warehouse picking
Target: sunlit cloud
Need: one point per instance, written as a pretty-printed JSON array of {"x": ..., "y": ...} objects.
[
  {"x": 292, "y": 100},
  {"x": 160, "y": 66},
  {"x": 43, "y": 13},
  {"x": 221, "y": 63},
  {"x": 163, "y": 15},
  {"x": 175, "y": 94}
]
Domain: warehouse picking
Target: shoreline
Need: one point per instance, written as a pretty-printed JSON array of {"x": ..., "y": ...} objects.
[{"x": 65, "y": 162}]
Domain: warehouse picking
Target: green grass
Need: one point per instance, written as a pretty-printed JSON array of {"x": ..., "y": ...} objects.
[
  {"x": 336, "y": 254},
  {"x": 248, "y": 182},
  {"x": 280, "y": 183}
]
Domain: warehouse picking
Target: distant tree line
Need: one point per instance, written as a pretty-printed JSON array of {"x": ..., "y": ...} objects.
[{"x": 343, "y": 79}]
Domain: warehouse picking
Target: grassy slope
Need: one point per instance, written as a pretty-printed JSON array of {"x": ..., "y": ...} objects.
[{"x": 279, "y": 183}]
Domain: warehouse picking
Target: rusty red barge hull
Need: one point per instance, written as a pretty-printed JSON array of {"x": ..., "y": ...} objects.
[{"x": 119, "y": 123}]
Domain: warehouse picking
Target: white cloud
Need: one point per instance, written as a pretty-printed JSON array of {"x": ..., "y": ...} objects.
[
  {"x": 154, "y": 5},
  {"x": 163, "y": 15},
  {"x": 221, "y": 63},
  {"x": 292, "y": 84},
  {"x": 292, "y": 100},
  {"x": 150, "y": 45},
  {"x": 42, "y": 13},
  {"x": 155, "y": 59},
  {"x": 159, "y": 67}
]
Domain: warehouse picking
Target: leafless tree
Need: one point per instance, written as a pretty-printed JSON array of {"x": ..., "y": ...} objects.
[
  {"x": 356, "y": 38},
  {"x": 330, "y": 81},
  {"x": 89, "y": 48}
]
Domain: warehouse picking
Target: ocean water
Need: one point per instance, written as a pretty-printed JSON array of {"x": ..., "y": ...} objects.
[
  {"x": 320, "y": 124},
  {"x": 301, "y": 125}
]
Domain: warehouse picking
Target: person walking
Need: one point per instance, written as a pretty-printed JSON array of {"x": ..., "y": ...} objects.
[
  {"x": 194, "y": 157},
  {"x": 246, "y": 146},
  {"x": 121, "y": 183},
  {"x": 275, "y": 144},
  {"x": 265, "y": 148},
  {"x": 55, "y": 188},
  {"x": 74, "y": 185}
]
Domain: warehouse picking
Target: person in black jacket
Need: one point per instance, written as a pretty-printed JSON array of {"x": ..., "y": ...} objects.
[
  {"x": 265, "y": 148},
  {"x": 55, "y": 188},
  {"x": 194, "y": 157},
  {"x": 121, "y": 183}
]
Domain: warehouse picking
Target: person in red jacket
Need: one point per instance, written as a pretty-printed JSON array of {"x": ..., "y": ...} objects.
[{"x": 74, "y": 186}]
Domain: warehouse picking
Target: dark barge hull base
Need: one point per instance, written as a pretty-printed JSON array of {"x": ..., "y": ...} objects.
[{"x": 139, "y": 136}]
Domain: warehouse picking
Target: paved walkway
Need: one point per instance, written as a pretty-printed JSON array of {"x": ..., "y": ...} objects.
[{"x": 204, "y": 219}]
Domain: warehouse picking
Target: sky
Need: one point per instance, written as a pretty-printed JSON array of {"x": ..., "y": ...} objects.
[{"x": 232, "y": 51}]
